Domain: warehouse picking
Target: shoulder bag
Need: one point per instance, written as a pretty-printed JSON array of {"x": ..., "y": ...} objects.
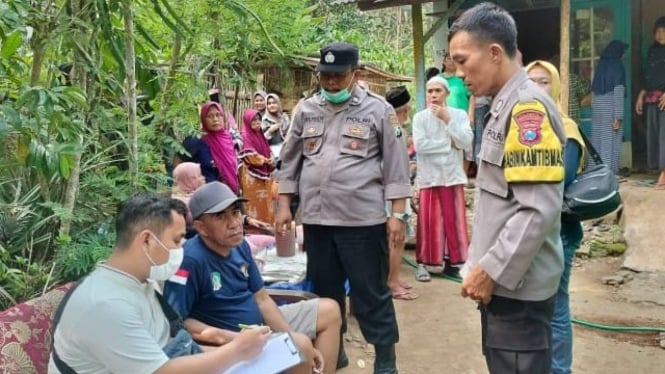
[{"x": 594, "y": 193}]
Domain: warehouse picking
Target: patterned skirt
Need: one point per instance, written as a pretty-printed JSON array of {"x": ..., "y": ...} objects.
[{"x": 442, "y": 229}]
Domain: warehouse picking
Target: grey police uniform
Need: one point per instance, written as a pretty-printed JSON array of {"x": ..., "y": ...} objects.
[
  {"x": 333, "y": 160},
  {"x": 516, "y": 237},
  {"x": 344, "y": 161}
]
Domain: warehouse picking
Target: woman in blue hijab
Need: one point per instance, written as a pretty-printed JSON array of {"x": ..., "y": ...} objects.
[{"x": 609, "y": 89}]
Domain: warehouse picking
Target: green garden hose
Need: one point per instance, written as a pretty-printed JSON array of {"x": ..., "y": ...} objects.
[{"x": 573, "y": 320}]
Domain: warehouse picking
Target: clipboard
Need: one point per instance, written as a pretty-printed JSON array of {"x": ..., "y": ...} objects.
[{"x": 279, "y": 354}]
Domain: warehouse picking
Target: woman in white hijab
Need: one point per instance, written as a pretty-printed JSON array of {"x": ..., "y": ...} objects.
[{"x": 275, "y": 123}]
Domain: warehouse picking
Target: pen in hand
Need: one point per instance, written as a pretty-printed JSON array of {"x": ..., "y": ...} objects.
[{"x": 243, "y": 326}]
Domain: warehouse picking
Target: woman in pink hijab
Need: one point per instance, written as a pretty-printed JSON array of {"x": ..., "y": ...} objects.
[
  {"x": 219, "y": 140},
  {"x": 256, "y": 168},
  {"x": 187, "y": 178}
]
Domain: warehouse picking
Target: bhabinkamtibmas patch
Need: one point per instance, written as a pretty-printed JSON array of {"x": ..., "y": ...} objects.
[{"x": 533, "y": 151}]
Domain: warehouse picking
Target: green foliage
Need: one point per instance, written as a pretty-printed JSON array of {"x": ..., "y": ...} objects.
[
  {"x": 63, "y": 120},
  {"x": 76, "y": 259},
  {"x": 46, "y": 131},
  {"x": 21, "y": 278},
  {"x": 24, "y": 233},
  {"x": 377, "y": 33}
]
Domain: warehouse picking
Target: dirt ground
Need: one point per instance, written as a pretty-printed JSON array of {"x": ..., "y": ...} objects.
[{"x": 440, "y": 331}]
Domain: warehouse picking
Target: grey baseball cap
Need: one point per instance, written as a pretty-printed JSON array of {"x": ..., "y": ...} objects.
[{"x": 212, "y": 197}]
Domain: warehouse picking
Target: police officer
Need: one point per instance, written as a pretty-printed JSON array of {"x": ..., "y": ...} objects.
[
  {"x": 345, "y": 156},
  {"x": 516, "y": 257}
]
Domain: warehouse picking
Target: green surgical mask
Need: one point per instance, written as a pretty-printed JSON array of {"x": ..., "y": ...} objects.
[{"x": 337, "y": 97}]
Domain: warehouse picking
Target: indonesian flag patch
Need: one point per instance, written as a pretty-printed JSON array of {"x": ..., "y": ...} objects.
[{"x": 180, "y": 277}]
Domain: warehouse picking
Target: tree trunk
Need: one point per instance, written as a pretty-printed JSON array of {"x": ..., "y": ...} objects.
[
  {"x": 163, "y": 127},
  {"x": 398, "y": 32},
  {"x": 564, "y": 63},
  {"x": 163, "y": 106},
  {"x": 80, "y": 79},
  {"x": 38, "y": 53},
  {"x": 41, "y": 33},
  {"x": 130, "y": 93},
  {"x": 71, "y": 191}
]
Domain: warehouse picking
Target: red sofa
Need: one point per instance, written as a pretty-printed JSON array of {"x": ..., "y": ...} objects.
[{"x": 25, "y": 333}]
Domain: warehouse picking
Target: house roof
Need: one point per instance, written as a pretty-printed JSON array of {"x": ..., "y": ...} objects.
[
  {"x": 370, "y": 69},
  {"x": 378, "y": 4},
  {"x": 510, "y": 5}
]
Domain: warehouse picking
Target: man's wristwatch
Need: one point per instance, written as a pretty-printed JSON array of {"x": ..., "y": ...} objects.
[{"x": 400, "y": 216}]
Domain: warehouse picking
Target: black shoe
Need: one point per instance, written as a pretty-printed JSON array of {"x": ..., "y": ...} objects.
[
  {"x": 342, "y": 360},
  {"x": 385, "y": 360},
  {"x": 451, "y": 271}
]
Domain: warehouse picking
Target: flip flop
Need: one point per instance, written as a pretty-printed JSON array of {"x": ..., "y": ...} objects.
[
  {"x": 647, "y": 183},
  {"x": 422, "y": 275},
  {"x": 406, "y": 295}
]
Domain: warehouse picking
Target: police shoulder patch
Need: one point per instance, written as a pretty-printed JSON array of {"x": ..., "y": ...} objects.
[
  {"x": 532, "y": 152},
  {"x": 530, "y": 121}
]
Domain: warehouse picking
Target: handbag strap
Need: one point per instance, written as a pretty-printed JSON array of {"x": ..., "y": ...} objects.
[
  {"x": 592, "y": 151},
  {"x": 175, "y": 321},
  {"x": 62, "y": 367}
]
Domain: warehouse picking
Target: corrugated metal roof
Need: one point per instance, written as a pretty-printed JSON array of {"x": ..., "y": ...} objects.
[
  {"x": 342, "y": 2},
  {"x": 510, "y": 5},
  {"x": 377, "y": 4},
  {"x": 367, "y": 66}
]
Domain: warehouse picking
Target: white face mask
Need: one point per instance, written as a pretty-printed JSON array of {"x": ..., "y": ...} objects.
[{"x": 167, "y": 270}]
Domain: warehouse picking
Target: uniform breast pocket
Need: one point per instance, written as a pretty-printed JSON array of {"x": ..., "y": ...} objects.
[
  {"x": 355, "y": 140},
  {"x": 490, "y": 175},
  {"x": 312, "y": 137}
]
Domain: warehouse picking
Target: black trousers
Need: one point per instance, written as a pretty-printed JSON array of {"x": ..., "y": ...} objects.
[
  {"x": 517, "y": 336},
  {"x": 359, "y": 254}
]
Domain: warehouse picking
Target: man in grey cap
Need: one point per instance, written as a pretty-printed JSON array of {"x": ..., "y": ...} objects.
[
  {"x": 345, "y": 156},
  {"x": 113, "y": 321},
  {"x": 219, "y": 288}
]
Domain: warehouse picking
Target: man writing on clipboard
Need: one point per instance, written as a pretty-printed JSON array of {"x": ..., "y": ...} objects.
[{"x": 219, "y": 287}]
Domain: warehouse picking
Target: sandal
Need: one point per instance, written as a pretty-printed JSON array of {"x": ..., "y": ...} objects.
[
  {"x": 647, "y": 183},
  {"x": 405, "y": 295},
  {"x": 422, "y": 275}
]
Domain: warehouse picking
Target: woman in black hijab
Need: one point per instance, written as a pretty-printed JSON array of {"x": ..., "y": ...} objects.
[
  {"x": 651, "y": 100},
  {"x": 609, "y": 90}
]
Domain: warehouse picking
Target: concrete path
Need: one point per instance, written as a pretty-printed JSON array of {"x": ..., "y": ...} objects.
[{"x": 644, "y": 217}]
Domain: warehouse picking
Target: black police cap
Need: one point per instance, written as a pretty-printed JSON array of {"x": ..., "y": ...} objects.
[
  {"x": 398, "y": 97},
  {"x": 337, "y": 58}
]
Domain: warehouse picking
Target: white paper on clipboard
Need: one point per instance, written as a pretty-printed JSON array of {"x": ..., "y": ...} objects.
[{"x": 279, "y": 354}]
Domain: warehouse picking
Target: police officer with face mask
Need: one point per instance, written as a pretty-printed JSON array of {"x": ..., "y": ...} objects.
[{"x": 345, "y": 156}]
